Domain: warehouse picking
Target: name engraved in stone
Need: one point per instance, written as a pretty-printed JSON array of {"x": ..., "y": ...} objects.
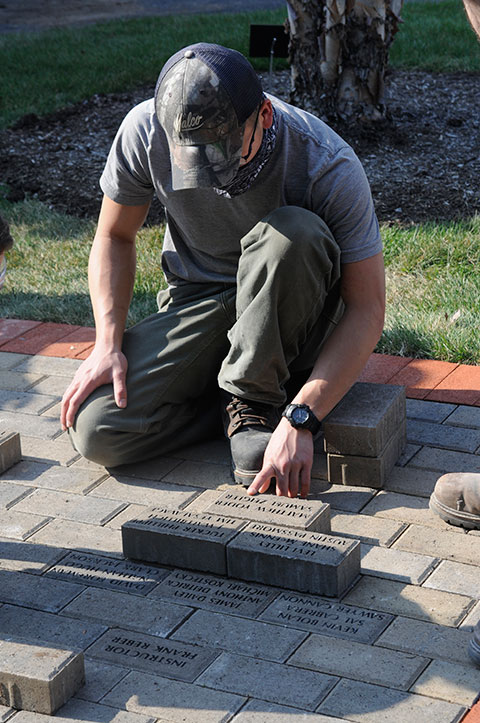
[
  {"x": 185, "y": 523},
  {"x": 153, "y": 655},
  {"x": 269, "y": 509},
  {"x": 212, "y": 593},
  {"x": 327, "y": 618},
  {"x": 107, "y": 572},
  {"x": 296, "y": 543}
]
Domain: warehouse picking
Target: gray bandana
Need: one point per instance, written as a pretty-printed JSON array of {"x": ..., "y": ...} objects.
[{"x": 248, "y": 173}]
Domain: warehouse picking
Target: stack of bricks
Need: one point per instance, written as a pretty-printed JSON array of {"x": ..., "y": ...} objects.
[{"x": 365, "y": 434}]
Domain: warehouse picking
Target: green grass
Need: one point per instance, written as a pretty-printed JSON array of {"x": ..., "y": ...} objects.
[{"x": 433, "y": 274}]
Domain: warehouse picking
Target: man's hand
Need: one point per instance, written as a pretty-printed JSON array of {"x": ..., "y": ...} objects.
[
  {"x": 101, "y": 367},
  {"x": 288, "y": 458}
]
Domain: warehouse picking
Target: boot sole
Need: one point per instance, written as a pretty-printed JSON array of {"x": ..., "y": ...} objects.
[
  {"x": 455, "y": 517},
  {"x": 243, "y": 477}
]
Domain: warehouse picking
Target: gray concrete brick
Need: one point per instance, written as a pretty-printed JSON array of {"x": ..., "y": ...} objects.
[
  {"x": 54, "y": 412},
  {"x": 108, "y": 573},
  {"x": 464, "y": 416},
  {"x": 343, "y": 497},
  {"x": 406, "y": 508},
  {"x": 54, "y": 477},
  {"x": 9, "y": 360},
  {"x": 274, "y": 682},
  {"x": 395, "y": 564},
  {"x": 374, "y": 531},
  {"x": 79, "y": 536},
  {"x": 172, "y": 700},
  {"x": 472, "y": 619},
  {"x": 49, "y": 452},
  {"x": 409, "y": 451},
  {"x": 309, "y": 515},
  {"x": 5, "y": 713},
  {"x": 449, "y": 681},
  {"x": 214, "y": 593},
  {"x": 359, "y": 661},
  {"x": 319, "y": 466},
  {"x": 10, "y": 450},
  {"x": 367, "y": 703},
  {"x": 29, "y": 424},
  {"x": 410, "y": 600},
  {"x": 201, "y": 474},
  {"x": 259, "y": 711},
  {"x": 448, "y": 545},
  {"x": 10, "y": 493},
  {"x": 365, "y": 420},
  {"x": 49, "y": 365},
  {"x": 151, "y": 654},
  {"x": 20, "y": 525},
  {"x": 443, "y": 435},
  {"x": 130, "y": 612},
  {"x": 366, "y": 471},
  {"x": 79, "y": 508},
  {"x": 200, "y": 503},
  {"x": 99, "y": 680},
  {"x": 316, "y": 614},
  {"x": 411, "y": 481},
  {"x": 429, "y": 411},
  {"x": 294, "y": 559},
  {"x": 238, "y": 635},
  {"x": 129, "y": 513},
  {"x": 25, "y": 402},
  {"x": 81, "y": 710},
  {"x": 146, "y": 492},
  {"x": 214, "y": 451},
  {"x": 20, "y": 622},
  {"x": 36, "y": 592},
  {"x": 456, "y": 577},
  {"x": 54, "y": 386},
  {"x": 18, "y": 381},
  {"x": 38, "y": 678},
  {"x": 180, "y": 539},
  {"x": 425, "y": 638},
  {"x": 444, "y": 460},
  {"x": 25, "y": 557}
]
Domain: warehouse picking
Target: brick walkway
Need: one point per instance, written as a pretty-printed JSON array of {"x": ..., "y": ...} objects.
[{"x": 392, "y": 649}]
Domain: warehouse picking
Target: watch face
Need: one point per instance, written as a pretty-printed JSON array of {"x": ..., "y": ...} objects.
[{"x": 300, "y": 415}]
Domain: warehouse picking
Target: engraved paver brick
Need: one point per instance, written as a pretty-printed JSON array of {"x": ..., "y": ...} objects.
[
  {"x": 99, "y": 679},
  {"x": 38, "y": 678},
  {"x": 445, "y": 544},
  {"x": 272, "y": 510},
  {"x": 10, "y": 450},
  {"x": 79, "y": 508},
  {"x": 367, "y": 703},
  {"x": 79, "y": 536},
  {"x": 82, "y": 710},
  {"x": 316, "y": 614},
  {"x": 345, "y": 497},
  {"x": 105, "y": 572},
  {"x": 20, "y": 525},
  {"x": 411, "y": 481},
  {"x": 365, "y": 420},
  {"x": 358, "y": 661},
  {"x": 405, "y": 508},
  {"x": 402, "y": 599},
  {"x": 127, "y": 611},
  {"x": 456, "y": 577},
  {"x": 375, "y": 531},
  {"x": 396, "y": 564},
  {"x": 47, "y": 451},
  {"x": 238, "y": 635},
  {"x": 423, "y": 638},
  {"x": 429, "y": 411},
  {"x": 449, "y": 681},
  {"x": 54, "y": 477},
  {"x": 25, "y": 557},
  {"x": 173, "y": 700},
  {"x": 36, "y": 592},
  {"x": 10, "y": 493},
  {"x": 275, "y": 682},
  {"x": 47, "y": 627},
  {"x": 30, "y": 424},
  {"x": 18, "y": 381},
  {"x": 259, "y": 711},
  {"x": 442, "y": 435},
  {"x": 209, "y": 592},
  {"x": 464, "y": 416},
  {"x": 200, "y": 474},
  {"x": 146, "y": 492},
  {"x": 25, "y": 402},
  {"x": 154, "y": 655},
  {"x": 444, "y": 460},
  {"x": 305, "y": 561},
  {"x": 180, "y": 539}
]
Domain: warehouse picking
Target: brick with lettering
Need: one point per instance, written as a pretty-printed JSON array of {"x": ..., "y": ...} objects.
[
  {"x": 10, "y": 450},
  {"x": 309, "y": 515},
  {"x": 180, "y": 539},
  {"x": 294, "y": 559}
]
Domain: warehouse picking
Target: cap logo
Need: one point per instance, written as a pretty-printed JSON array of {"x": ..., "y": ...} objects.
[{"x": 188, "y": 123}]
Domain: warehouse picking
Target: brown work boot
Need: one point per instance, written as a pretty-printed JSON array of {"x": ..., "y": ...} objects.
[
  {"x": 456, "y": 498},
  {"x": 249, "y": 426}
]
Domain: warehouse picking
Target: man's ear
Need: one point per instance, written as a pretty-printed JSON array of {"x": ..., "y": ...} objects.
[{"x": 266, "y": 114}]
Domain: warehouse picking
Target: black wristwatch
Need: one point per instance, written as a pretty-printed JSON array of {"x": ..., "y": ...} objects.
[{"x": 301, "y": 416}]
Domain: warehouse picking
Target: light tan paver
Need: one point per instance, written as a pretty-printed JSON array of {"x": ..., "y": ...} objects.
[
  {"x": 449, "y": 681},
  {"x": 368, "y": 529},
  {"x": 446, "y": 544},
  {"x": 79, "y": 536},
  {"x": 395, "y": 564},
  {"x": 405, "y": 508},
  {"x": 53, "y": 452},
  {"x": 456, "y": 577},
  {"x": 411, "y": 481}
]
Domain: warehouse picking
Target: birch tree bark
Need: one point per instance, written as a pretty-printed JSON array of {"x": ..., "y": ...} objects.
[{"x": 339, "y": 54}]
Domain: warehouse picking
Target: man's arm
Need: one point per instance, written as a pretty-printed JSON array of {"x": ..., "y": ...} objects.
[
  {"x": 111, "y": 275},
  {"x": 289, "y": 454},
  {"x": 472, "y": 8}
]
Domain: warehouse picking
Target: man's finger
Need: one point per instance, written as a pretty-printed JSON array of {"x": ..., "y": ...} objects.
[
  {"x": 261, "y": 483},
  {"x": 305, "y": 477}
]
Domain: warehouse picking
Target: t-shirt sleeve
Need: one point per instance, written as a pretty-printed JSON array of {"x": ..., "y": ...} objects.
[
  {"x": 341, "y": 196},
  {"x": 126, "y": 177}
]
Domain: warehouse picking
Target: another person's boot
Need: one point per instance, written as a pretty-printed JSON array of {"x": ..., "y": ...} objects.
[
  {"x": 249, "y": 426},
  {"x": 474, "y": 647},
  {"x": 456, "y": 498}
]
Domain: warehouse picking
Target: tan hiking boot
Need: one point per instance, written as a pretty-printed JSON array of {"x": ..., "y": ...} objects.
[{"x": 456, "y": 498}]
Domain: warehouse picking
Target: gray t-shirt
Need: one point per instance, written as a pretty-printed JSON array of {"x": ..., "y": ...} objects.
[{"x": 310, "y": 167}]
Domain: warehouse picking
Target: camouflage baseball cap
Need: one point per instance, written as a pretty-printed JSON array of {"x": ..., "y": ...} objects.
[{"x": 203, "y": 97}]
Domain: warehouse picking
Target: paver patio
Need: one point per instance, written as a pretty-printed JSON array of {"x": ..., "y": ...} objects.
[{"x": 215, "y": 649}]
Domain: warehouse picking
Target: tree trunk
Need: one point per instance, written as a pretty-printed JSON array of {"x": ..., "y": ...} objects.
[{"x": 339, "y": 54}]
